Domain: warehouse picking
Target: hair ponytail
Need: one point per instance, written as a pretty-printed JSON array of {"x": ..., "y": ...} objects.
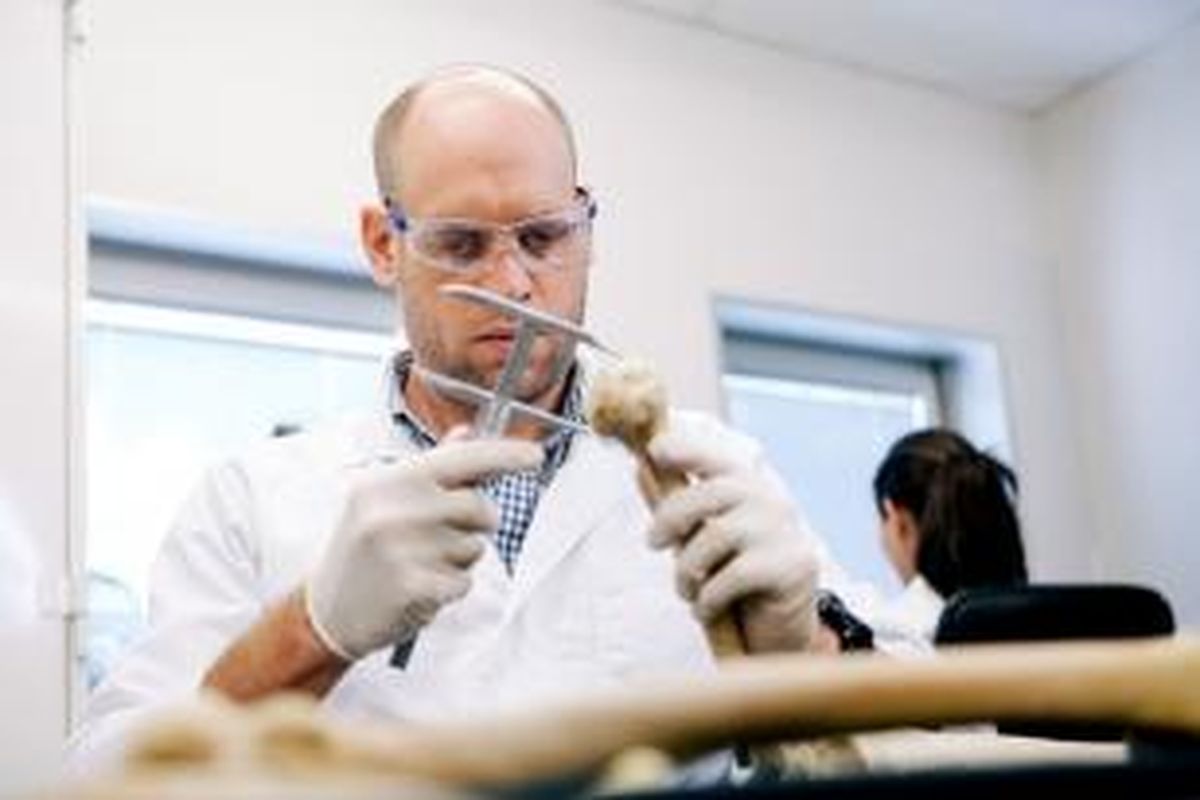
[{"x": 963, "y": 501}]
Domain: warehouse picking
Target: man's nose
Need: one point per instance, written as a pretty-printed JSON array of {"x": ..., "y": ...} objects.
[{"x": 507, "y": 274}]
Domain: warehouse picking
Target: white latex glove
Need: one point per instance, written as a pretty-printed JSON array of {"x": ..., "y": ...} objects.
[
  {"x": 408, "y": 535},
  {"x": 738, "y": 536}
]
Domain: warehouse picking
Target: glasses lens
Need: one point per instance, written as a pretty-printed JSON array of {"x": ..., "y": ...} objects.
[
  {"x": 552, "y": 241},
  {"x": 454, "y": 245},
  {"x": 545, "y": 238}
]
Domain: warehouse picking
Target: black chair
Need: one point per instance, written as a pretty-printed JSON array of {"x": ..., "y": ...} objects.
[
  {"x": 1041, "y": 612},
  {"x": 1055, "y": 612}
]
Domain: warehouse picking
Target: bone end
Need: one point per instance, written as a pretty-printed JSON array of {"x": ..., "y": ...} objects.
[{"x": 628, "y": 402}]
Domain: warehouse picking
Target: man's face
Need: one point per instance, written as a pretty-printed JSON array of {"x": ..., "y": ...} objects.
[{"x": 474, "y": 156}]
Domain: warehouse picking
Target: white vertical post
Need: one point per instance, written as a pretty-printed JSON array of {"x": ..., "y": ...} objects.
[{"x": 38, "y": 307}]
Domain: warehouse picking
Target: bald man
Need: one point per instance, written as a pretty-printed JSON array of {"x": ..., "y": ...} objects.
[{"x": 394, "y": 565}]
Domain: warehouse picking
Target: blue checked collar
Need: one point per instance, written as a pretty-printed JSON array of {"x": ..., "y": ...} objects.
[{"x": 556, "y": 445}]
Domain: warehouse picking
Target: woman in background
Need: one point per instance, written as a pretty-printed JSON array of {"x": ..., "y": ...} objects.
[{"x": 948, "y": 522}]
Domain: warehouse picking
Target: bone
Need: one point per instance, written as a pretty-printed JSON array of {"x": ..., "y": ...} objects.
[
  {"x": 1146, "y": 684},
  {"x": 628, "y": 401}
]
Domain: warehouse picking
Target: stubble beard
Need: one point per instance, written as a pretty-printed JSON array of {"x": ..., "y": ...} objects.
[
  {"x": 542, "y": 376},
  {"x": 431, "y": 353}
]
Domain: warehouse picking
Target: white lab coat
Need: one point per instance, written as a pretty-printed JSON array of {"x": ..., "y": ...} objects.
[
  {"x": 590, "y": 603},
  {"x": 905, "y": 624}
]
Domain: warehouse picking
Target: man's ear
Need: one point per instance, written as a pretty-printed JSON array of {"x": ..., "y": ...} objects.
[{"x": 380, "y": 244}]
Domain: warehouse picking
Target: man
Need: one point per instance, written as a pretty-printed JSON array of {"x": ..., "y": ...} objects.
[{"x": 396, "y": 566}]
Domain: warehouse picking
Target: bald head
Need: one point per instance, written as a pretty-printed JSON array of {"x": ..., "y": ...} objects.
[{"x": 462, "y": 83}]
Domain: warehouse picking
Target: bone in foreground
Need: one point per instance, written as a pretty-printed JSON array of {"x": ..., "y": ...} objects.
[{"x": 628, "y": 402}]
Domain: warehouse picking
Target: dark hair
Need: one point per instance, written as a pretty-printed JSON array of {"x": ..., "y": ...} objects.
[{"x": 963, "y": 502}]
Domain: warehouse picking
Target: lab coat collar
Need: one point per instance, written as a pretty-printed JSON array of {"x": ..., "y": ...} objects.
[
  {"x": 377, "y": 439},
  {"x": 585, "y": 490},
  {"x": 921, "y": 604},
  {"x": 582, "y": 495},
  {"x": 577, "y": 500}
]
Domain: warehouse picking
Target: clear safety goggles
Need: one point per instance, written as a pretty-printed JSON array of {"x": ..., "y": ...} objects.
[{"x": 550, "y": 242}]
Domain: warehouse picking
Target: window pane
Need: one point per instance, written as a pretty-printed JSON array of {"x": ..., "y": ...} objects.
[
  {"x": 827, "y": 440},
  {"x": 168, "y": 394}
]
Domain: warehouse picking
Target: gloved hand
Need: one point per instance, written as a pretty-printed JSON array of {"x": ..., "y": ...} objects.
[
  {"x": 408, "y": 535},
  {"x": 739, "y": 537}
]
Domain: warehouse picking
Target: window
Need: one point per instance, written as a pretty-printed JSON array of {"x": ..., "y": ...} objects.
[
  {"x": 828, "y": 397},
  {"x": 201, "y": 340},
  {"x": 169, "y": 393},
  {"x": 826, "y": 431}
]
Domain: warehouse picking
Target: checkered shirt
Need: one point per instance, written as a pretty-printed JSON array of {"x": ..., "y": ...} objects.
[{"x": 515, "y": 494}]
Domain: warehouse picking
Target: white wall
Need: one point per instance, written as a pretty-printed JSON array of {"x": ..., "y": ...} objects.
[
  {"x": 1123, "y": 193},
  {"x": 720, "y": 167},
  {"x": 35, "y": 492}
]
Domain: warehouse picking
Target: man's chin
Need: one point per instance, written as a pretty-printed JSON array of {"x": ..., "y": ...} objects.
[{"x": 539, "y": 381}]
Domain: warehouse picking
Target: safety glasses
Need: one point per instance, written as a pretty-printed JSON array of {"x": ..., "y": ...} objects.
[{"x": 553, "y": 242}]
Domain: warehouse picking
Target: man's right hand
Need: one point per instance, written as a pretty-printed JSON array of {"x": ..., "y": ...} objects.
[{"x": 408, "y": 535}]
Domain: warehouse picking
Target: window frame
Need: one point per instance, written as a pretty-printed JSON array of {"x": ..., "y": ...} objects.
[
  {"x": 823, "y": 364},
  {"x": 154, "y": 269},
  {"x": 958, "y": 376}
]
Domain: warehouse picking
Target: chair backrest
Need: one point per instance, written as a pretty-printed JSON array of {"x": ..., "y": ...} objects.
[
  {"x": 1054, "y": 611},
  {"x": 1042, "y": 612}
]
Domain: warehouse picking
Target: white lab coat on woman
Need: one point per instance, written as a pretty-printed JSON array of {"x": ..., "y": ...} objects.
[
  {"x": 905, "y": 624},
  {"x": 589, "y": 605}
]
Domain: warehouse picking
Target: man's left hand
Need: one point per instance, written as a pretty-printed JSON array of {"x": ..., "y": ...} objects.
[{"x": 738, "y": 540}]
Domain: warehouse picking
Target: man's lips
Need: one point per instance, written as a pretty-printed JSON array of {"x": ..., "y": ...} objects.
[
  {"x": 505, "y": 336},
  {"x": 497, "y": 335},
  {"x": 498, "y": 342}
]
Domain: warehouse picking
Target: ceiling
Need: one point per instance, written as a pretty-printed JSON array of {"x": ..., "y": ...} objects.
[{"x": 1020, "y": 54}]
